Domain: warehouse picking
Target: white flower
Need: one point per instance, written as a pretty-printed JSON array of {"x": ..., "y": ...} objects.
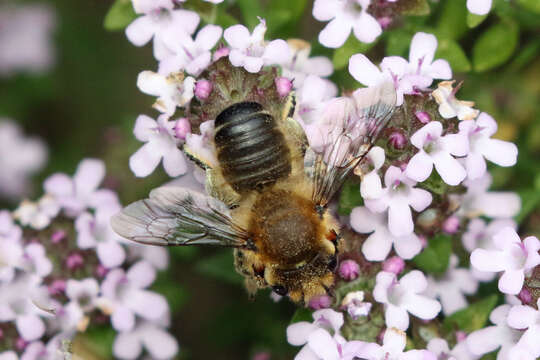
[
  {"x": 312, "y": 99},
  {"x": 328, "y": 319},
  {"x": 452, "y": 287},
  {"x": 345, "y": 16},
  {"x": 202, "y": 145},
  {"x": 512, "y": 256},
  {"x": 299, "y": 66},
  {"x": 398, "y": 197},
  {"x": 355, "y": 305},
  {"x": 159, "y": 344},
  {"x": 379, "y": 243},
  {"x": 449, "y": 106},
  {"x": 193, "y": 55},
  {"x": 160, "y": 143},
  {"x": 402, "y": 297},
  {"x": 37, "y": 215},
  {"x": 35, "y": 260},
  {"x": 158, "y": 20},
  {"x": 437, "y": 150},
  {"x": 172, "y": 90},
  {"x": 479, "y": 132},
  {"x": 526, "y": 317},
  {"x": 371, "y": 187},
  {"x": 251, "y": 51},
  {"x": 440, "y": 348},
  {"x": 479, "y": 7}
]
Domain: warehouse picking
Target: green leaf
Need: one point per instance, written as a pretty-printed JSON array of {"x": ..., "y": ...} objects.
[
  {"x": 284, "y": 15},
  {"x": 174, "y": 293},
  {"x": 435, "y": 257},
  {"x": 526, "y": 54},
  {"x": 530, "y": 200},
  {"x": 352, "y": 46},
  {"x": 435, "y": 184},
  {"x": 225, "y": 20},
  {"x": 532, "y": 5},
  {"x": 451, "y": 51},
  {"x": 453, "y": 20},
  {"x": 98, "y": 339},
  {"x": 220, "y": 266},
  {"x": 350, "y": 198},
  {"x": 473, "y": 20},
  {"x": 397, "y": 42},
  {"x": 302, "y": 314},
  {"x": 120, "y": 15},
  {"x": 495, "y": 46},
  {"x": 471, "y": 318},
  {"x": 251, "y": 9}
]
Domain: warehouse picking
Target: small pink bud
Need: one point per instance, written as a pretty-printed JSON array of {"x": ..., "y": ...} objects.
[
  {"x": 349, "y": 270},
  {"x": 451, "y": 225},
  {"x": 58, "y": 236},
  {"x": 182, "y": 128},
  {"x": 384, "y": 21},
  {"x": 320, "y": 302},
  {"x": 20, "y": 344},
  {"x": 397, "y": 140},
  {"x": 1, "y": 334},
  {"x": 261, "y": 356},
  {"x": 57, "y": 287},
  {"x": 101, "y": 271},
  {"x": 74, "y": 261},
  {"x": 394, "y": 264},
  {"x": 461, "y": 335},
  {"x": 525, "y": 296},
  {"x": 283, "y": 85},
  {"x": 203, "y": 88},
  {"x": 423, "y": 240},
  {"x": 423, "y": 117},
  {"x": 221, "y": 52}
]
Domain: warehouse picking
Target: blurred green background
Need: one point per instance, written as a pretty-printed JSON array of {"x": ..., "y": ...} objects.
[{"x": 87, "y": 104}]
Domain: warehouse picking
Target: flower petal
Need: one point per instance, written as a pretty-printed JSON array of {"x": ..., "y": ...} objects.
[
  {"x": 502, "y": 153},
  {"x": 160, "y": 344},
  {"x": 140, "y": 31},
  {"x": 144, "y": 161},
  {"x": 511, "y": 282},
  {"x": 400, "y": 220},
  {"x": 485, "y": 260},
  {"x": 127, "y": 346},
  {"x": 419, "y": 167},
  {"x": 364, "y": 71},
  {"x": 174, "y": 162},
  {"x": 297, "y": 333},
  {"x": 449, "y": 168},
  {"x": 377, "y": 246},
  {"x": 335, "y": 33},
  {"x": 367, "y": 28},
  {"x": 237, "y": 36},
  {"x": 30, "y": 327}
]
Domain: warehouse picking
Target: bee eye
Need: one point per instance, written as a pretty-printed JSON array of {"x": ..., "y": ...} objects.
[
  {"x": 280, "y": 290},
  {"x": 332, "y": 264}
]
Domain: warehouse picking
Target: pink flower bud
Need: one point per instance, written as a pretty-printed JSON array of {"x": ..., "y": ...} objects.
[
  {"x": 394, "y": 264},
  {"x": 262, "y": 356},
  {"x": 1, "y": 334},
  {"x": 58, "y": 236},
  {"x": 283, "y": 85},
  {"x": 384, "y": 21},
  {"x": 101, "y": 271},
  {"x": 397, "y": 140},
  {"x": 74, "y": 261},
  {"x": 203, "y": 88},
  {"x": 221, "y": 52},
  {"x": 423, "y": 240},
  {"x": 423, "y": 117},
  {"x": 349, "y": 270},
  {"x": 57, "y": 287},
  {"x": 451, "y": 225},
  {"x": 320, "y": 302},
  {"x": 182, "y": 128},
  {"x": 461, "y": 335},
  {"x": 525, "y": 296},
  {"x": 20, "y": 344}
]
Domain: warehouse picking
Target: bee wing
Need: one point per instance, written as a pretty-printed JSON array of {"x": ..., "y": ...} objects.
[
  {"x": 175, "y": 216},
  {"x": 348, "y": 143}
]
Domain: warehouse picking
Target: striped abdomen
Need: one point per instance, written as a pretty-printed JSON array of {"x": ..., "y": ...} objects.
[{"x": 250, "y": 148}]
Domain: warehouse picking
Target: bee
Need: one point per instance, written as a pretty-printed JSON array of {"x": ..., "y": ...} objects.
[{"x": 268, "y": 195}]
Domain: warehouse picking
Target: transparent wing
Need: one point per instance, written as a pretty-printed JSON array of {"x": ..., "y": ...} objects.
[
  {"x": 175, "y": 216},
  {"x": 349, "y": 140}
]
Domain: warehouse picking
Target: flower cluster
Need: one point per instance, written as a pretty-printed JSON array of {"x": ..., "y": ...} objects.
[
  {"x": 63, "y": 270},
  {"x": 20, "y": 157}
]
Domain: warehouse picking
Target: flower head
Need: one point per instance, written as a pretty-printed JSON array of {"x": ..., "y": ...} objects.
[
  {"x": 172, "y": 90},
  {"x": 449, "y": 106}
]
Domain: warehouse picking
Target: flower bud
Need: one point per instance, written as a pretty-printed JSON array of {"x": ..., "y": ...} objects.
[
  {"x": 349, "y": 270},
  {"x": 423, "y": 117},
  {"x": 101, "y": 271},
  {"x": 203, "y": 88},
  {"x": 355, "y": 305},
  {"x": 20, "y": 344},
  {"x": 263, "y": 355},
  {"x": 451, "y": 225},
  {"x": 394, "y": 264},
  {"x": 57, "y": 287},
  {"x": 461, "y": 335},
  {"x": 58, "y": 236},
  {"x": 397, "y": 140},
  {"x": 221, "y": 52},
  {"x": 283, "y": 85},
  {"x": 525, "y": 296},
  {"x": 320, "y": 302},
  {"x": 182, "y": 128},
  {"x": 384, "y": 21},
  {"x": 74, "y": 261}
]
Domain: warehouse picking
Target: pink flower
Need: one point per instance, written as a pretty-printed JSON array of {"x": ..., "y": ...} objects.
[
  {"x": 479, "y": 234},
  {"x": 489, "y": 339},
  {"x": 348, "y": 270},
  {"x": 158, "y": 20},
  {"x": 172, "y": 90},
  {"x": 77, "y": 194},
  {"x": 124, "y": 296},
  {"x": 312, "y": 100},
  {"x": 298, "y": 333},
  {"x": 379, "y": 243},
  {"x": 479, "y": 7},
  {"x": 452, "y": 287},
  {"x": 526, "y": 317},
  {"x": 159, "y": 344},
  {"x": 193, "y": 55},
  {"x": 439, "y": 347},
  {"x": 321, "y": 345},
  {"x": 402, "y": 297},
  {"x": 161, "y": 143},
  {"x": 371, "y": 187},
  {"x": 345, "y": 16},
  {"x": 479, "y": 132},
  {"x": 437, "y": 150},
  {"x": 35, "y": 260},
  {"x": 512, "y": 256},
  {"x": 251, "y": 51},
  {"x": 398, "y": 197}
]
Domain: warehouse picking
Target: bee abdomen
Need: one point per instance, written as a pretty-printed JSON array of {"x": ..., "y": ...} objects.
[{"x": 251, "y": 149}]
